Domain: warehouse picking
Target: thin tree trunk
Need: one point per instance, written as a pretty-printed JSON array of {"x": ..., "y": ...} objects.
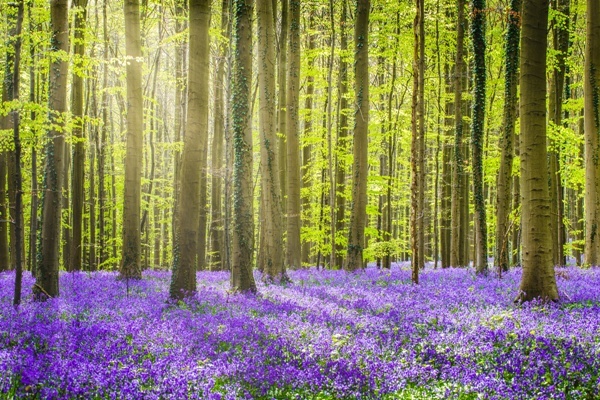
[
  {"x": 47, "y": 277},
  {"x": 92, "y": 257},
  {"x": 17, "y": 176},
  {"x": 271, "y": 190},
  {"x": 478, "y": 11},
  {"x": 78, "y": 174},
  {"x": 282, "y": 120},
  {"x": 218, "y": 169},
  {"x": 591, "y": 91},
  {"x": 458, "y": 167},
  {"x": 418, "y": 146},
  {"x": 293, "y": 254},
  {"x": 360, "y": 168},
  {"x": 102, "y": 143},
  {"x": 306, "y": 150},
  {"x": 503, "y": 198},
  {"x": 560, "y": 37}
]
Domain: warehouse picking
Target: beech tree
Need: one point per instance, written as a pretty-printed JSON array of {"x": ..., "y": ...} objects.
[
  {"x": 242, "y": 279},
  {"x": 458, "y": 228},
  {"x": 183, "y": 281},
  {"x": 418, "y": 145},
  {"x": 592, "y": 129},
  {"x": 15, "y": 38},
  {"x": 78, "y": 174},
  {"x": 503, "y": 197},
  {"x": 293, "y": 255},
  {"x": 478, "y": 10},
  {"x": 358, "y": 208},
  {"x": 538, "y": 279},
  {"x": 47, "y": 274},
  {"x": 131, "y": 266},
  {"x": 271, "y": 218}
]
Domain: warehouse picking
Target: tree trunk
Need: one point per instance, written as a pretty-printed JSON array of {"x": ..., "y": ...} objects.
[
  {"x": 307, "y": 148},
  {"x": 17, "y": 176},
  {"x": 503, "y": 194},
  {"x": 47, "y": 277},
  {"x": 360, "y": 167},
  {"x": 131, "y": 266},
  {"x": 183, "y": 282},
  {"x": 242, "y": 279},
  {"x": 218, "y": 169},
  {"x": 478, "y": 11},
  {"x": 293, "y": 255},
  {"x": 418, "y": 146},
  {"x": 101, "y": 147},
  {"x": 78, "y": 174},
  {"x": 179, "y": 117},
  {"x": 591, "y": 90},
  {"x": 282, "y": 119},
  {"x": 538, "y": 280},
  {"x": 458, "y": 167},
  {"x": 560, "y": 35},
  {"x": 271, "y": 191}
]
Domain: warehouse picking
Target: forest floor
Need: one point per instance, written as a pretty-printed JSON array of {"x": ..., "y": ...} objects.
[{"x": 325, "y": 335}]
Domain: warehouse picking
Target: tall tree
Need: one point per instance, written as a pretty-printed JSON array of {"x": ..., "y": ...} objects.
[
  {"x": 47, "y": 277},
  {"x": 218, "y": 170},
  {"x": 560, "y": 39},
  {"x": 17, "y": 176},
  {"x": 360, "y": 167},
  {"x": 478, "y": 10},
  {"x": 282, "y": 120},
  {"x": 342, "y": 137},
  {"x": 456, "y": 217},
  {"x": 503, "y": 194},
  {"x": 78, "y": 174},
  {"x": 131, "y": 266},
  {"x": 242, "y": 279},
  {"x": 183, "y": 281},
  {"x": 271, "y": 222},
  {"x": 538, "y": 279},
  {"x": 293, "y": 254},
  {"x": 418, "y": 145},
  {"x": 307, "y": 148},
  {"x": 592, "y": 130},
  {"x": 5, "y": 121}
]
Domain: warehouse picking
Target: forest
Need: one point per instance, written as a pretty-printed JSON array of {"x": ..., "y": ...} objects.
[{"x": 286, "y": 199}]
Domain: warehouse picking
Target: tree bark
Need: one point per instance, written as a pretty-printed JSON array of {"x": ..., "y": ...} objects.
[
  {"x": 478, "y": 11},
  {"x": 271, "y": 223},
  {"x": 591, "y": 90},
  {"x": 418, "y": 146},
  {"x": 78, "y": 174},
  {"x": 342, "y": 139},
  {"x": 503, "y": 194},
  {"x": 183, "y": 281},
  {"x": 47, "y": 277},
  {"x": 282, "y": 119},
  {"x": 458, "y": 167},
  {"x": 17, "y": 177},
  {"x": 131, "y": 266},
  {"x": 242, "y": 279},
  {"x": 218, "y": 168},
  {"x": 307, "y": 148},
  {"x": 560, "y": 36},
  {"x": 538, "y": 280},
  {"x": 293, "y": 255},
  {"x": 360, "y": 167}
]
